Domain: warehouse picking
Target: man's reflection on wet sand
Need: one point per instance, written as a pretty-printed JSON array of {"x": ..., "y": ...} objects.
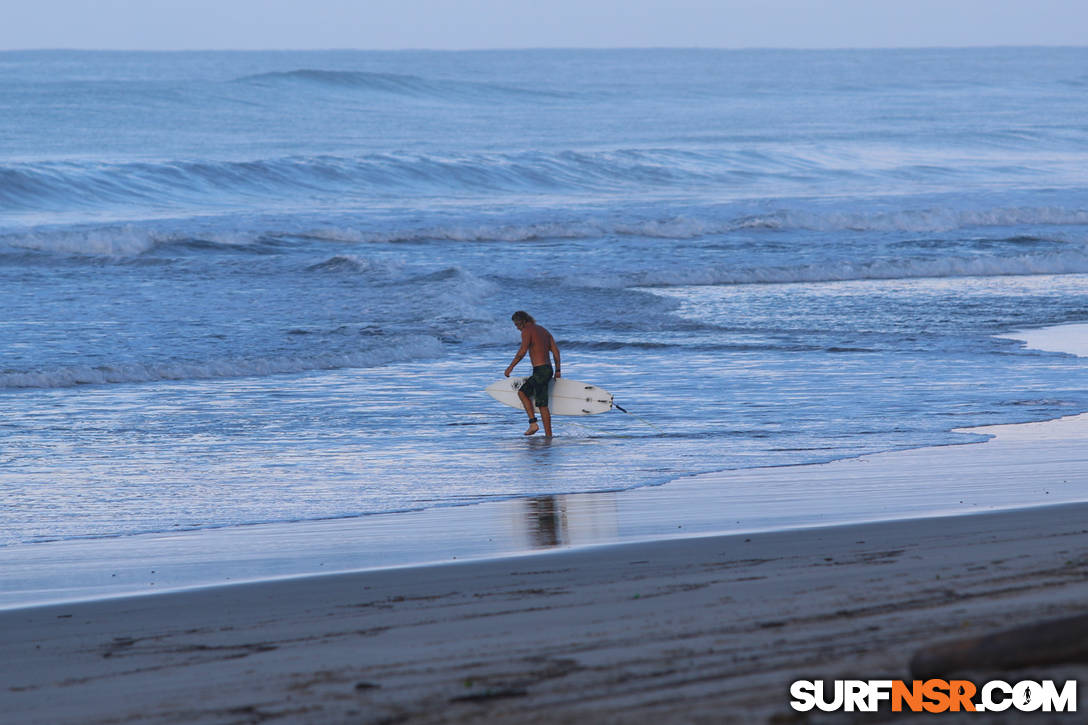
[
  {"x": 545, "y": 522},
  {"x": 568, "y": 520}
]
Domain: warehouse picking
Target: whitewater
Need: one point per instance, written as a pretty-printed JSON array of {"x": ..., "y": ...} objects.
[{"x": 245, "y": 288}]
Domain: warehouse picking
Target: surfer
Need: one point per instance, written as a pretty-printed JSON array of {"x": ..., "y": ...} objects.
[{"x": 538, "y": 342}]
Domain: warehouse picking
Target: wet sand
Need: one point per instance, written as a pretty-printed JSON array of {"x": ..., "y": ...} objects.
[
  {"x": 1020, "y": 466},
  {"x": 706, "y": 629}
]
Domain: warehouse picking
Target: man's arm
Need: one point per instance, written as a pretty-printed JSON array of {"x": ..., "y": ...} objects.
[
  {"x": 555, "y": 354},
  {"x": 521, "y": 352}
]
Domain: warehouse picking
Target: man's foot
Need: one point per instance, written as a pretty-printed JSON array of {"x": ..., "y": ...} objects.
[{"x": 533, "y": 427}]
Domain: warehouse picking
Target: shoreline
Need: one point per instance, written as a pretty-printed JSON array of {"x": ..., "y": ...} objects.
[
  {"x": 875, "y": 487},
  {"x": 923, "y": 483}
]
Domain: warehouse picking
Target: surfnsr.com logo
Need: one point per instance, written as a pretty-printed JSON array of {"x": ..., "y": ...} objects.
[{"x": 933, "y": 696}]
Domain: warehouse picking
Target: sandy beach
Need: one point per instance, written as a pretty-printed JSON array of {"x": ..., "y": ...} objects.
[{"x": 708, "y": 629}]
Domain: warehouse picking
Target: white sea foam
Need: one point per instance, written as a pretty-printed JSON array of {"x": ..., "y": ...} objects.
[
  {"x": 690, "y": 227},
  {"x": 921, "y": 220},
  {"x": 115, "y": 241},
  {"x": 1070, "y": 262},
  {"x": 126, "y": 240}
]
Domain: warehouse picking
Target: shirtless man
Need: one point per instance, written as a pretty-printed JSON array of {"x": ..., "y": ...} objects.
[{"x": 538, "y": 342}]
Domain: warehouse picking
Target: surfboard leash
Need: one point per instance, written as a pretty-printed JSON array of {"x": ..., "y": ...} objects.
[{"x": 618, "y": 407}]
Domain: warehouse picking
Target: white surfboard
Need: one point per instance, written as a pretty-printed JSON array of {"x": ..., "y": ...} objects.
[{"x": 565, "y": 396}]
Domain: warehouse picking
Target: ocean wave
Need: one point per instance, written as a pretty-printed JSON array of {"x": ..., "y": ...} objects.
[
  {"x": 917, "y": 220},
  {"x": 228, "y": 184},
  {"x": 407, "y": 348},
  {"x": 355, "y": 264},
  {"x": 56, "y": 185},
  {"x": 396, "y": 84},
  {"x": 681, "y": 227},
  {"x": 122, "y": 241},
  {"x": 1067, "y": 262},
  {"x": 129, "y": 241},
  {"x": 449, "y": 289},
  {"x": 108, "y": 241}
]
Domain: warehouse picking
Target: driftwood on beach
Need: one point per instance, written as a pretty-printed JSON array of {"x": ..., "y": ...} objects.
[{"x": 1052, "y": 642}]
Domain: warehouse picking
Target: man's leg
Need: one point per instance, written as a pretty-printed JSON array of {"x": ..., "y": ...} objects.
[
  {"x": 546, "y": 418},
  {"x": 533, "y": 428}
]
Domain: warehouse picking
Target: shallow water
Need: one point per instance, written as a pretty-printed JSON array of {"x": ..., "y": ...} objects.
[{"x": 253, "y": 287}]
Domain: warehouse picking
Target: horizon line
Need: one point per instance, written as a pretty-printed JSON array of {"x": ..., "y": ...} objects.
[{"x": 588, "y": 48}]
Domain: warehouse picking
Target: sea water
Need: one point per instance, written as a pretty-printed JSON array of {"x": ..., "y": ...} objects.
[{"x": 239, "y": 288}]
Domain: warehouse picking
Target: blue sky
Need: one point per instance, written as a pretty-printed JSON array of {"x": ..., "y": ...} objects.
[{"x": 464, "y": 24}]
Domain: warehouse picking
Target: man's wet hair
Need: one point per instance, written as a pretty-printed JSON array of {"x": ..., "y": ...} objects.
[{"x": 523, "y": 316}]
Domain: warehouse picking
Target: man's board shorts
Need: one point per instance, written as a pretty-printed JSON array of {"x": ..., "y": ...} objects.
[{"x": 536, "y": 385}]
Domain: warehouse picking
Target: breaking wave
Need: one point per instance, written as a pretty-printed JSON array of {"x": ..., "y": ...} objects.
[
  {"x": 680, "y": 227},
  {"x": 228, "y": 184}
]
